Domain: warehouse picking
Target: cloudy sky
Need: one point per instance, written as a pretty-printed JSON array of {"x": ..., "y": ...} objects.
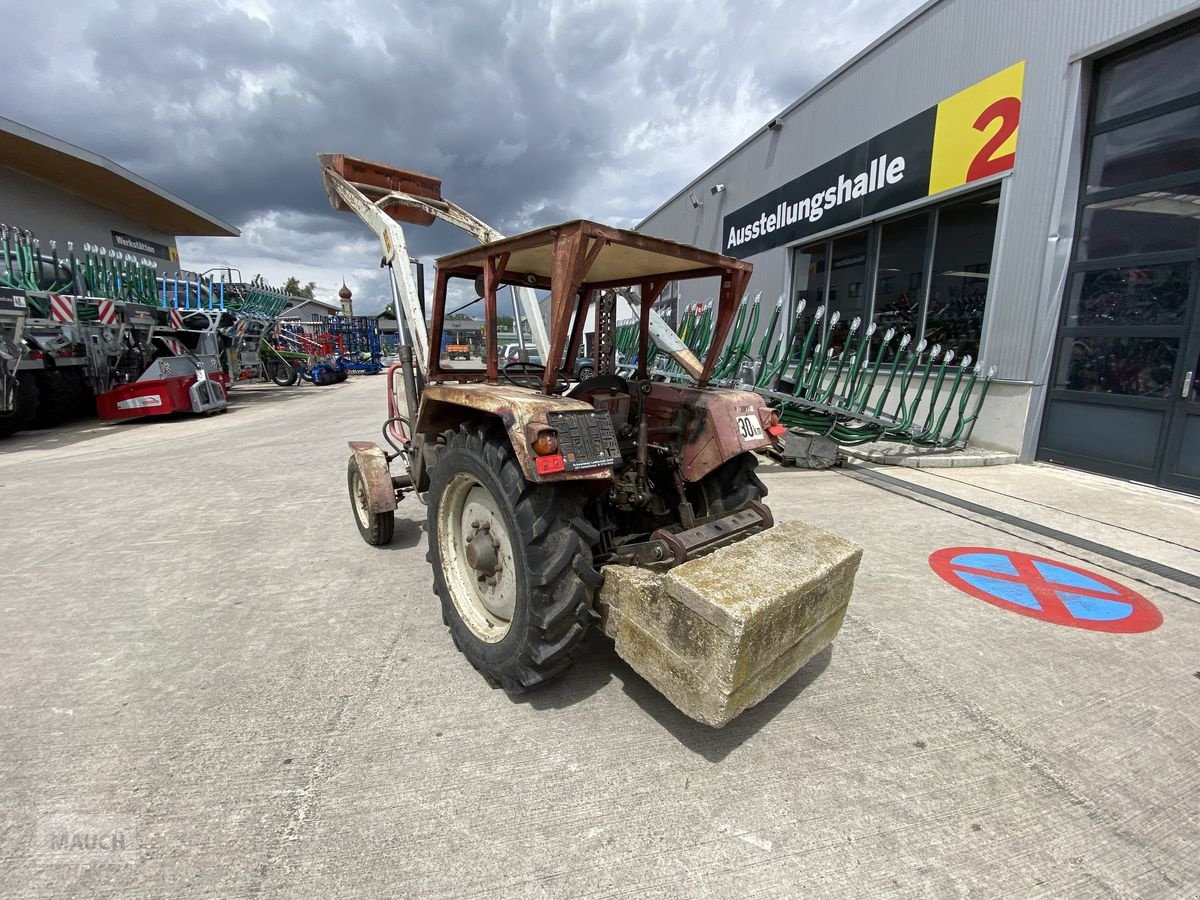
[{"x": 531, "y": 111}]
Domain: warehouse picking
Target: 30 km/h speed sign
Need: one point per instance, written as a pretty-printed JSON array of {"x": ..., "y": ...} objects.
[{"x": 1046, "y": 589}]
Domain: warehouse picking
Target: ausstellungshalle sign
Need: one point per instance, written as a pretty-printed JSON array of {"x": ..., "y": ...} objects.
[{"x": 965, "y": 137}]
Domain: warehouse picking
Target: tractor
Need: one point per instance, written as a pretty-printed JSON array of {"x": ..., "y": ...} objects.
[{"x": 538, "y": 488}]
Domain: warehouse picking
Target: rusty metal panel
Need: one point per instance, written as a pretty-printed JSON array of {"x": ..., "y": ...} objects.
[
  {"x": 522, "y": 411},
  {"x": 709, "y": 422}
]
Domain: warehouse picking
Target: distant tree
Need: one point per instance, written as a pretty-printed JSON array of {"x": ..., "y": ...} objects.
[
  {"x": 504, "y": 323},
  {"x": 389, "y": 312},
  {"x": 292, "y": 286}
]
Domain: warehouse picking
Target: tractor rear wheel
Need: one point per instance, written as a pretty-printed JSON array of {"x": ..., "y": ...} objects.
[
  {"x": 727, "y": 488},
  {"x": 512, "y": 561}
]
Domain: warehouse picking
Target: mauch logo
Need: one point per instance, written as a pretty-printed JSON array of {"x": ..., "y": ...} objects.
[{"x": 72, "y": 839}]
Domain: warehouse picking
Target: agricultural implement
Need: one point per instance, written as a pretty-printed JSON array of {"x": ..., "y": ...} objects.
[
  {"x": 617, "y": 502},
  {"x": 842, "y": 383},
  {"x": 104, "y": 331}
]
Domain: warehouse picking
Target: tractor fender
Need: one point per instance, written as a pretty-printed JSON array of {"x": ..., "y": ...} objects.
[
  {"x": 708, "y": 419},
  {"x": 521, "y": 411},
  {"x": 371, "y": 462}
]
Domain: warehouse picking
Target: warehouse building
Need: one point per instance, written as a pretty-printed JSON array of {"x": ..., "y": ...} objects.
[
  {"x": 61, "y": 192},
  {"x": 1015, "y": 180}
]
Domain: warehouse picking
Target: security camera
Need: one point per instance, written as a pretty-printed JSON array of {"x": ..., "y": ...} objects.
[
  {"x": 695, "y": 201},
  {"x": 716, "y": 189}
]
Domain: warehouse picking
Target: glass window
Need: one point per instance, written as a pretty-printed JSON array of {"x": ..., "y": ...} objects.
[
  {"x": 1155, "y": 75},
  {"x": 1130, "y": 295},
  {"x": 848, "y": 271},
  {"x": 1142, "y": 367},
  {"x": 900, "y": 274},
  {"x": 1153, "y": 148},
  {"x": 808, "y": 284},
  {"x": 1149, "y": 222},
  {"x": 463, "y": 331},
  {"x": 809, "y": 276},
  {"x": 962, "y": 261}
]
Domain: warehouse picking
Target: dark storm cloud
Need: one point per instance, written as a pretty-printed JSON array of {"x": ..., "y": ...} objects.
[{"x": 530, "y": 112}]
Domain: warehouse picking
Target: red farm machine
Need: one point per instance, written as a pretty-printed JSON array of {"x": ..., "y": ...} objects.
[
  {"x": 103, "y": 331},
  {"x": 620, "y": 502}
]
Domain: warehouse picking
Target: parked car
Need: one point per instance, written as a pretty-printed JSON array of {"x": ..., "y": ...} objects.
[{"x": 584, "y": 368}]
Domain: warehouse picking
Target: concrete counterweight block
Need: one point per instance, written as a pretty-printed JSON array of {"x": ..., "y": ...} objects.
[{"x": 718, "y": 634}]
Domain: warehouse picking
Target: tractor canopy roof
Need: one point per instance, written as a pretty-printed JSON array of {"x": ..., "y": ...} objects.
[
  {"x": 577, "y": 260},
  {"x": 590, "y": 255}
]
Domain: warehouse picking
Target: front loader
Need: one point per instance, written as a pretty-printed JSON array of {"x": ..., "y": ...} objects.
[{"x": 620, "y": 502}]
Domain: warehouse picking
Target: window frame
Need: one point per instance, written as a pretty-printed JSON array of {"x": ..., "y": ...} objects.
[{"x": 874, "y": 230}]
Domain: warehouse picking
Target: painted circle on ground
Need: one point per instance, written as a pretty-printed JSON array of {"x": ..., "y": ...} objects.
[{"x": 1045, "y": 589}]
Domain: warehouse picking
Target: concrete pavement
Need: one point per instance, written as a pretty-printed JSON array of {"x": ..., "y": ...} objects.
[{"x": 197, "y": 649}]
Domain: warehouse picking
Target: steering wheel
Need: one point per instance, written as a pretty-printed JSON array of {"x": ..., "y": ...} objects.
[
  {"x": 530, "y": 376},
  {"x": 589, "y": 386}
]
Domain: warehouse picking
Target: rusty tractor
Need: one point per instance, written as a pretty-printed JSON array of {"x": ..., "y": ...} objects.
[{"x": 620, "y": 502}]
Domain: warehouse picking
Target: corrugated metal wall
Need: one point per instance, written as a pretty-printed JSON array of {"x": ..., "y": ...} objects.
[{"x": 947, "y": 46}]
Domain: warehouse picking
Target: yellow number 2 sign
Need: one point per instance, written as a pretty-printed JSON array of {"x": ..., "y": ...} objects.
[{"x": 976, "y": 131}]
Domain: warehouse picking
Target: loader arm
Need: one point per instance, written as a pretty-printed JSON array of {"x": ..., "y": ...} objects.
[{"x": 374, "y": 213}]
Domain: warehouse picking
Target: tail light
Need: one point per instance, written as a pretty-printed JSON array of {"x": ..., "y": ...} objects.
[{"x": 546, "y": 442}]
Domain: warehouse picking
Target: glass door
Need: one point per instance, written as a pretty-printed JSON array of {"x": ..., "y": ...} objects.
[{"x": 1181, "y": 465}]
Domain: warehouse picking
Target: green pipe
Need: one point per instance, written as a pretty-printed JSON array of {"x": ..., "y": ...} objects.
[
  {"x": 832, "y": 388},
  {"x": 868, "y": 384},
  {"x": 947, "y": 358},
  {"x": 887, "y": 389},
  {"x": 910, "y": 412},
  {"x": 958, "y": 377},
  {"x": 798, "y": 378},
  {"x": 856, "y": 366},
  {"x": 821, "y": 355}
]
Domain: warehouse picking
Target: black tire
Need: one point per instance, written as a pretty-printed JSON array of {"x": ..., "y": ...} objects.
[
  {"x": 283, "y": 373},
  {"x": 727, "y": 488},
  {"x": 56, "y": 400},
  {"x": 376, "y": 528},
  {"x": 25, "y": 404},
  {"x": 551, "y": 547},
  {"x": 585, "y": 372},
  {"x": 84, "y": 398}
]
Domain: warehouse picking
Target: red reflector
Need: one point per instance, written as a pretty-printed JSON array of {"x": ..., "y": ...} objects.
[
  {"x": 548, "y": 465},
  {"x": 775, "y": 430}
]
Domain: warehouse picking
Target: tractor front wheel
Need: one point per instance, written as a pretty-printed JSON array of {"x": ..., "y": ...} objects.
[
  {"x": 512, "y": 561},
  {"x": 376, "y": 528}
]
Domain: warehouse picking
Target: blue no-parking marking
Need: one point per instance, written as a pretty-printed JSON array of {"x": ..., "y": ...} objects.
[{"x": 1046, "y": 589}]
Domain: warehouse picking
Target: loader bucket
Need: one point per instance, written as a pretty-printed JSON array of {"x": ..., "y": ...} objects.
[
  {"x": 374, "y": 178},
  {"x": 718, "y": 634}
]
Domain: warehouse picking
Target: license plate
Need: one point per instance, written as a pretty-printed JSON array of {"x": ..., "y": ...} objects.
[{"x": 749, "y": 429}]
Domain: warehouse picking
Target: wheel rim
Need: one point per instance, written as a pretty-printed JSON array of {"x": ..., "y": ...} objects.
[
  {"x": 477, "y": 557},
  {"x": 358, "y": 498}
]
